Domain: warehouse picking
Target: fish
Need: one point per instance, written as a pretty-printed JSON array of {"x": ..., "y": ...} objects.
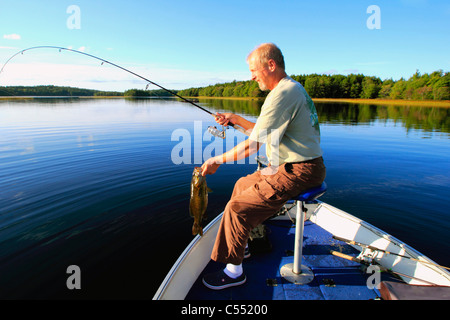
[{"x": 199, "y": 200}]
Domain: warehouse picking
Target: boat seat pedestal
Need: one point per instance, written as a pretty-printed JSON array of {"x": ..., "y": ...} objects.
[{"x": 296, "y": 272}]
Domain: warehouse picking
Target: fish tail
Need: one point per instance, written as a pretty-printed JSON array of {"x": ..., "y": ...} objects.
[{"x": 197, "y": 229}]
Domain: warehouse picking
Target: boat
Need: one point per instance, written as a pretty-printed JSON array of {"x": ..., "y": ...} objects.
[{"x": 332, "y": 255}]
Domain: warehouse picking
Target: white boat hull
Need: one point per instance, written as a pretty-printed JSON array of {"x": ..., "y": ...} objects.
[{"x": 344, "y": 225}]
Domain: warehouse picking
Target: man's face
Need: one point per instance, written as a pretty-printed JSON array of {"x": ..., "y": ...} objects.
[{"x": 259, "y": 73}]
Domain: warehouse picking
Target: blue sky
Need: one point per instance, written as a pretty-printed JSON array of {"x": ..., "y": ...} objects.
[{"x": 181, "y": 44}]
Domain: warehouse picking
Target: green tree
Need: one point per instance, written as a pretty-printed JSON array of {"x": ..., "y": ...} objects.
[
  {"x": 355, "y": 82},
  {"x": 441, "y": 87},
  {"x": 385, "y": 89},
  {"x": 312, "y": 86},
  {"x": 398, "y": 89},
  {"x": 136, "y": 93},
  {"x": 370, "y": 87}
]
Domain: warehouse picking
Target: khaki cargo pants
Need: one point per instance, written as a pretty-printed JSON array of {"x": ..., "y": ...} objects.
[{"x": 256, "y": 197}]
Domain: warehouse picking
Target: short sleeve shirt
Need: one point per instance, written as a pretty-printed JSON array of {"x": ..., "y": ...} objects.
[{"x": 288, "y": 124}]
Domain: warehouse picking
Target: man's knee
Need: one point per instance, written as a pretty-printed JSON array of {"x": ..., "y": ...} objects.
[
  {"x": 235, "y": 207},
  {"x": 242, "y": 183},
  {"x": 246, "y": 182}
]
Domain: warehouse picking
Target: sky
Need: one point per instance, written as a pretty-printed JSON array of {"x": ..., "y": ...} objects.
[{"x": 182, "y": 44}]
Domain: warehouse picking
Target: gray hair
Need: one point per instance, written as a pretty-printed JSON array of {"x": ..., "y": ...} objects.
[{"x": 266, "y": 51}]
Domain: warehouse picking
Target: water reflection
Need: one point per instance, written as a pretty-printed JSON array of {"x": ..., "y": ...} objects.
[
  {"x": 427, "y": 119},
  {"x": 240, "y": 106},
  {"x": 422, "y": 118},
  {"x": 411, "y": 117}
]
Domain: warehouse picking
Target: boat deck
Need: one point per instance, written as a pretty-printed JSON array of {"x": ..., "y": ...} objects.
[{"x": 335, "y": 278}]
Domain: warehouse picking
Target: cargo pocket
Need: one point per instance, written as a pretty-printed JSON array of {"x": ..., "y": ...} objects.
[{"x": 268, "y": 192}]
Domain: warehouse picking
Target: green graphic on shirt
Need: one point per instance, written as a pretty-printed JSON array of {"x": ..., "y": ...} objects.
[{"x": 314, "y": 118}]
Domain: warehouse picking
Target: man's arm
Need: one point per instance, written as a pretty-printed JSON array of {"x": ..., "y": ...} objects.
[{"x": 241, "y": 151}]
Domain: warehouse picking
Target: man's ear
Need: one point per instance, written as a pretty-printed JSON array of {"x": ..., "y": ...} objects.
[{"x": 272, "y": 65}]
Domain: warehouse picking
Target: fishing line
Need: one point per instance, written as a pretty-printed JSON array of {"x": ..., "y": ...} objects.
[{"x": 213, "y": 130}]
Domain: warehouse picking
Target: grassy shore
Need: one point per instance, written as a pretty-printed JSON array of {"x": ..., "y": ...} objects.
[{"x": 398, "y": 102}]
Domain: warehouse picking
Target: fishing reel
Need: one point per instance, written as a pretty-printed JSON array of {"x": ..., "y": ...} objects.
[{"x": 216, "y": 132}]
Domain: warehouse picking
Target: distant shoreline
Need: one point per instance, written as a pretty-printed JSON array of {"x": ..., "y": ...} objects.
[
  {"x": 397, "y": 102},
  {"x": 58, "y": 97}
]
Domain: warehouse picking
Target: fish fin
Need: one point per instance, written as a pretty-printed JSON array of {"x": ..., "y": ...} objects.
[
  {"x": 208, "y": 189},
  {"x": 197, "y": 229},
  {"x": 191, "y": 209}
]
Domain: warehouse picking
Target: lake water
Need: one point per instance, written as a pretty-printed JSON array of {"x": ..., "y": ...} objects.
[{"x": 98, "y": 183}]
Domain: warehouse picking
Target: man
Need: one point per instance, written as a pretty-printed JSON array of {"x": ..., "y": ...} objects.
[{"x": 289, "y": 127}]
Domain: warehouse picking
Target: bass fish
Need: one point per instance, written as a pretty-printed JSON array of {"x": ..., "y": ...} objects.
[{"x": 199, "y": 200}]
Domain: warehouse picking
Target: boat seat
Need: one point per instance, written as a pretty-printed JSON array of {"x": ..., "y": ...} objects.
[
  {"x": 296, "y": 272},
  {"x": 311, "y": 194}
]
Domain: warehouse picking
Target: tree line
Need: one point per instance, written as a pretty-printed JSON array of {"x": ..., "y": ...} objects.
[
  {"x": 434, "y": 86},
  {"x": 57, "y": 91},
  {"x": 53, "y": 91},
  {"x": 146, "y": 93}
]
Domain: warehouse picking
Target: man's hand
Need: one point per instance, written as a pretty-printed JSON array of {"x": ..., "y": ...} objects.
[
  {"x": 236, "y": 121},
  {"x": 209, "y": 166},
  {"x": 224, "y": 118}
]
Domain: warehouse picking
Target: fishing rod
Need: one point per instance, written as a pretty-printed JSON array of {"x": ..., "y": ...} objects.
[
  {"x": 213, "y": 130},
  {"x": 386, "y": 252},
  {"x": 366, "y": 263}
]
